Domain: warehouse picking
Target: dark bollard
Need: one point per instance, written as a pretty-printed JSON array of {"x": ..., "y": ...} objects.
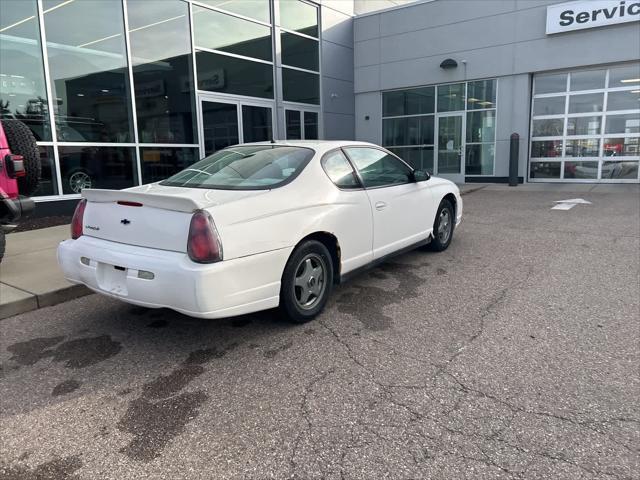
[{"x": 513, "y": 160}]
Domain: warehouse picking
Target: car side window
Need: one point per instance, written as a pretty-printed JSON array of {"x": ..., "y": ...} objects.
[
  {"x": 378, "y": 168},
  {"x": 340, "y": 171}
]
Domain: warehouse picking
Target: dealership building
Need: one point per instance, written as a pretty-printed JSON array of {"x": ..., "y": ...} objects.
[{"x": 126, "y": 92}]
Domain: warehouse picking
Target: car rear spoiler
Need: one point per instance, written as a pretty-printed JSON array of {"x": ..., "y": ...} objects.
[{"x": 165, "y": 202}]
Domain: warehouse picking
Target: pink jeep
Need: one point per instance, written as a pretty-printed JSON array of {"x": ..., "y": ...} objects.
[{"x": 19, "y": 174}]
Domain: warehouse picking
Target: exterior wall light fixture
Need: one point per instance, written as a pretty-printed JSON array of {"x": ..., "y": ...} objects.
[{"x": 448, "y": 63}]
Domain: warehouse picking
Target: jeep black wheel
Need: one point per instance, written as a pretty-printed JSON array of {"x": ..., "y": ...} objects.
[{"x": 22, "y": 142}]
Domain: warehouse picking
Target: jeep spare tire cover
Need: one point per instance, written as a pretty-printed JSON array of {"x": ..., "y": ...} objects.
[{"x": 22, "y": 142}]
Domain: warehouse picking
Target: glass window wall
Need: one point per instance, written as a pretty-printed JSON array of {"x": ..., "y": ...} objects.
[
  {"x": 299, "y": 39},
  {"x": 256, "y": 9},
  {"x": 224, "y": 74},
  {"x": 162, "y": 71},
  {"x": 122, "y": 81},
  {"x": 23, "y": 93},
  {"x": 88, "y": 69},
  {"x": 226, "y": 33},
  {"x": 409, "y": 120},
  {"x": 602, "y": 120},
  {"x": 159, "y": 162},
  {"x": 97, "y": 167}
]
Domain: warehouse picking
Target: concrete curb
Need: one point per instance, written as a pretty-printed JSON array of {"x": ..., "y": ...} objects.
[{"x": 48, "y": 299}]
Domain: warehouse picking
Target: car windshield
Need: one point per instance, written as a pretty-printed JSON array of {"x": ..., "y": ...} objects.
[{"x": 256, "y": 167}]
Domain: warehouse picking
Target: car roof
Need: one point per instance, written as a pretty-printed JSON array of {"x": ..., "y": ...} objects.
[{"x": 323, "y": 145}]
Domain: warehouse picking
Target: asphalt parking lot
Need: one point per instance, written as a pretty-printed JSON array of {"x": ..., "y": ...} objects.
[{"x": 514, "y": 354}]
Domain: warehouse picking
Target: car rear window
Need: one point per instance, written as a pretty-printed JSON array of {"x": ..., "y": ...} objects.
[{"x": 255, "y": 167}]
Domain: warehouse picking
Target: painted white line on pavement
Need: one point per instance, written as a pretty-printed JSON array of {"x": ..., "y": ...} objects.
[{"x": 563, "y": 206}]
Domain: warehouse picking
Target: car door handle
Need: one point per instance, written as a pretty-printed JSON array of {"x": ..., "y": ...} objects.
[{"x": 381, "y": 205}]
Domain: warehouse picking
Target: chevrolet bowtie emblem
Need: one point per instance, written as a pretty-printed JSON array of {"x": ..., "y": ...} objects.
[{"x": 124, "y": 221}]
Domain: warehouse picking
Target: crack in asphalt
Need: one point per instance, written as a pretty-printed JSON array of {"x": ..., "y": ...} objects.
[{"x": 462, "y": 392}]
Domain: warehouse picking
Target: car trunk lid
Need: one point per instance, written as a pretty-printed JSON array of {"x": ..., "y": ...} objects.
[{"x": 150, "y": 216}]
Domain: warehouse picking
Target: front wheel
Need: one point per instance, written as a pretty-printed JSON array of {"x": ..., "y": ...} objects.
[
  {"x": 306, "y": 282},
  {"x": 443, "y": 227}
]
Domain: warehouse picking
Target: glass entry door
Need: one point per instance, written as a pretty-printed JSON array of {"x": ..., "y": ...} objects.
[
  {"x": 226, "y": 123},
  {"x": 450, "y": 153}
]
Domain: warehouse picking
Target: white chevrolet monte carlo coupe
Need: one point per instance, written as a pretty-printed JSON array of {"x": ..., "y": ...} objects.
[{"x": 257, "y": 226}]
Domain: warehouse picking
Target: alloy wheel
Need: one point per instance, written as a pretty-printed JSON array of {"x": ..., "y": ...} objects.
[{"x": 310, "y": 281}]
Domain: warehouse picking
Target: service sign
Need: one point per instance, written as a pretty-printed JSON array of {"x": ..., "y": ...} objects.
[{"x": 565, "y": 17}]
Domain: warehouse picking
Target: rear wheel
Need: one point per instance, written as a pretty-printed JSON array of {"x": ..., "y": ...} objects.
[
  {"x": 443, "y": 227},
  {"x": 22, "y": 142},
  {"x": 306, "y": 282}
]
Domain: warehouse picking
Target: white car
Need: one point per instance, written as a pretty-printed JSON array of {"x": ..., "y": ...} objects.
[{"x": 257, "y": 226}]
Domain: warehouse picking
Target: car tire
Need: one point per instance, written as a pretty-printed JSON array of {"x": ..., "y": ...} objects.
[
  {"x": 306, "y": 282},
  {"x": 3, "y": 243},
  {"x": 443, "y": 227},
  {"x": 22, "y": 142}
]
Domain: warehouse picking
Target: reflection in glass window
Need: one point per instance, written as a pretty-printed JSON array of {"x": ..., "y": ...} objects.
[
  {"x": 553, "y": 83},
  {"x": 300, "y": 86},
  {"x": 339, "y": 170},
  {"x": 395, "y": 131},
  {"x": 451, "y": 97},
  {"x": 256, "y": 124},
  {"x": 162, "y": 72},
  {"x": 625, "y": 100},
  {"x": 481, "y": 126},
  {"x": 23, "y": 95},
  {"x": 294, "y": 127},
  {"x": 299, "y": 16},
  {"x": 545, "y": 169},
  {"x": 549, "y": 127},
  {"x": 620, "y": 170},
  {"x": 628, "y": 123},
  {"x": 408, "y": 102},
  {"x": 255, "y": 167},
  {"x": 481, "y": 94},
  {"x": 48, "y": 181},
  {"x": 217, "y": 31},
  {"x": 590, "y": 102},
  {"x": 420, "y": 158},
  {"x": 621, "y": 147},
  {"x": 546, "y": 148},
  {"x": 549, "y": 106},
  {"x": 258, "y": 9},
  {"x": 224, "y": 74},
  {"x": 586, "y": 147},
  {"x": 584, "y": 125},
  {"x": 88, "y": 68},
  {"x": 299, "y": 51},
  {"x": 219, "y": 126},
  {"x": 584, "y": 170},
  {"x": 97, "y": 167},
  {"x": 408, "y": 131},
  {"x": 590, "y": 80},
  {"x": 378, "y": 168},
  {"x": 159, "y": 163},
  {"x": 616, "y": 93},
  {"x": 479, "y": 159},
  {"x": 311, "y": 125},
  {"x": 626, "y": 76}
]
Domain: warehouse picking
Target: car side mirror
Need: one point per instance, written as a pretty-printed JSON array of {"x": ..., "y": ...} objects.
[{"x": 421, "y": 176}]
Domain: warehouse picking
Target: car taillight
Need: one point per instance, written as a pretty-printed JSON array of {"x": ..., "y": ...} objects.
[
  {"x": 203, "y": 245},
  {"x": 77, "y": 220}
]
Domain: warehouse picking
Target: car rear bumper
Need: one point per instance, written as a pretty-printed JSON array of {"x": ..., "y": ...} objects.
[
  {"x": 224, "y": 289},
  {"x": 12, "y": 209}
]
